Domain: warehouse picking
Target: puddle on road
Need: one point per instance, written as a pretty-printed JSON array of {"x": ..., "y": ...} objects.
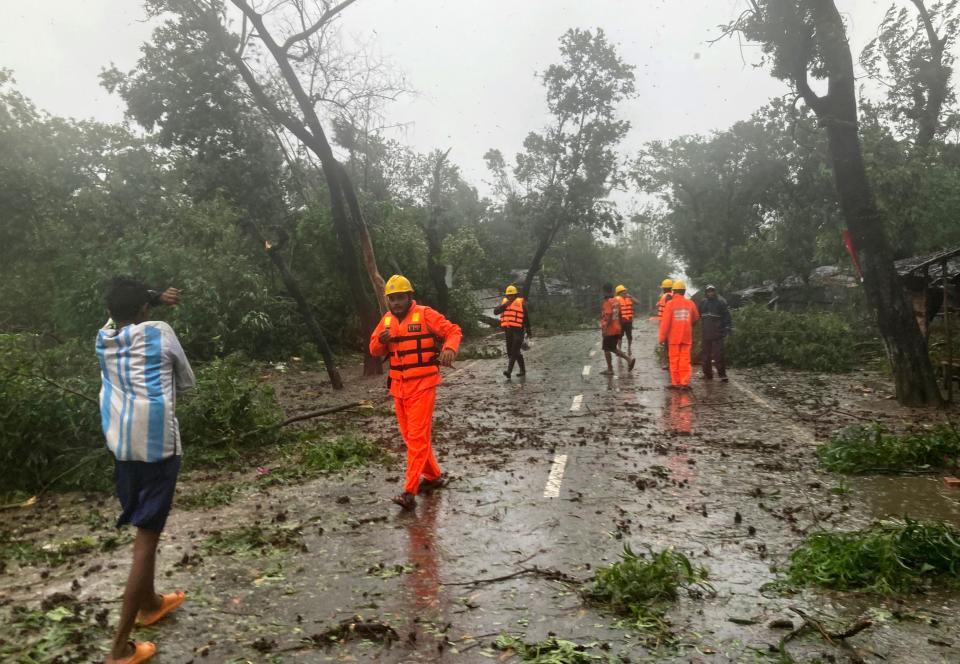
[{"x": 924, "y": 497}]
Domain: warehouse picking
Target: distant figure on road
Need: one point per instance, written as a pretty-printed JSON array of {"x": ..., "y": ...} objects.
[
  {"x": 626, "y": 316},
  {"x": 676, "y": 330},
  {"x": 410, "y": 335},
  {"x": 611, "y": 328},
  {"x": 514, "y": 320},
  {"x": 142, "y": 368},
  {"x": 715, "y": 326}
]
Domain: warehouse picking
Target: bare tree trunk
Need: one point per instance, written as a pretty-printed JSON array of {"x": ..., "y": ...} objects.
[
  {"x": 535, "y": 264},
  {"x": 306, "y": 311},
  {"x": 366, "y": 244},
  {"x": 310, "y": 132},
  {"x": 906, "y": 347}
]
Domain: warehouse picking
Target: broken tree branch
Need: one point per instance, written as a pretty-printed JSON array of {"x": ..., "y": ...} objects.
[{"x": 327, "y": 16}]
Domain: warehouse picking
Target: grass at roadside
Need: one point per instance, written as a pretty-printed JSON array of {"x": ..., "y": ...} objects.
[
  {"x": 890, "y": 557},
  {"x": 873, "y": 449}
]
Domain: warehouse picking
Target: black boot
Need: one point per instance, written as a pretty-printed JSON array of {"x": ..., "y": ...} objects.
[
  {"x": 522, "y": 365},
  {"x": 509, "y": 368}
]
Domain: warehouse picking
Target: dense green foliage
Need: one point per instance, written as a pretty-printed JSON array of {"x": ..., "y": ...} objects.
[
  {"x": 50, "y": 422},
  {"x": 890, "y": 557},
  {"x": 812, "y": 341},
  {"x": 873, "y": 449}
]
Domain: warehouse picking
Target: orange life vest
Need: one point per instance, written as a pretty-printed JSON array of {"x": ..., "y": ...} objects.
[
  {"x": 413, "y": 348},
  {"x": 512, "y": 316},
  {"x": 626, "y": 308},
  {"x": 662, "y": 302}
]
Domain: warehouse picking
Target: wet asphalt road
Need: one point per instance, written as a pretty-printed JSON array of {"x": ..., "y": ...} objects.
[{"x": 559, "y": 471}]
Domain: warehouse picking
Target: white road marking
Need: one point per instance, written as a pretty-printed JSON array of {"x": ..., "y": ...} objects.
[
  {"x": 593, "y": 353},
  {"x": 803, "y": 435},
  {"x": 577, "y": 402},
  {"x": 552, "y": 490},
  {"x": 586, "y": 370}
]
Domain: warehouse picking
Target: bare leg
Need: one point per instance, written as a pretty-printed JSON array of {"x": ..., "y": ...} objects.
[
  {"x": 140, "y": 594},
  {"x": 609, "y": 359}
]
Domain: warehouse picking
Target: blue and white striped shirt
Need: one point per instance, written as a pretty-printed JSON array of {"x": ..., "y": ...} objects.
[{"x": 142, "y": 368}]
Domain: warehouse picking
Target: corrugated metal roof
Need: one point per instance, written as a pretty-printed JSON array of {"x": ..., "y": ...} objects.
[{"x": 933, "y": 263}]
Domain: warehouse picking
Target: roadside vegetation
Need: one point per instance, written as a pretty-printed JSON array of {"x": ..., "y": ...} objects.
[
  {"x": 62, "y": 629},
  {"x": 874, "y": 449},
  {"x": 813, "y": 341},
  {"x": 890, "y": 557}
]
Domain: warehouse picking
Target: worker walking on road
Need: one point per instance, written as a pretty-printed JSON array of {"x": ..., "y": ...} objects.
[
  {"x": 626, "y": 316},
  {"x": 715, "y": 326},
  {"x": 676, "y": 330},
  {"x": 514, "y": 320},
  {"x": 611, "y": 327},
  {"x": 410, "y": 334}
]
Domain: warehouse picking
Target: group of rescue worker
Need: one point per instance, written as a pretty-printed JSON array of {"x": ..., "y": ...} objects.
[
  {"x": 418, "y": 340},
  {"x": 677, "y": 314}
]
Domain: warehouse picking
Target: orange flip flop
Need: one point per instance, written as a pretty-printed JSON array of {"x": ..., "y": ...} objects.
[
  {"x": 170, "y": 602},
  {"x": 142, "y": 651}
]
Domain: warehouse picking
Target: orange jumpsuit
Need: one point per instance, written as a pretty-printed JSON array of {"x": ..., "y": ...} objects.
[
  {"x": 414, "y": 375},
  {"x": 676, "y": 329}
]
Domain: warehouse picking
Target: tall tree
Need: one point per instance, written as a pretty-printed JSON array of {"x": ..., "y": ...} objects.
[
  {"x": 182, "y": 87},
  {"x": 290, "y": 86},
  {"x": 566, "y": 172},
  {"x": 805, "y": 38},
  {"x": 912, "y": 57}
]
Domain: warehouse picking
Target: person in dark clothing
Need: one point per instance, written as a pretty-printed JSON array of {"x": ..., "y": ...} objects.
[
  {"x": 715, "y": 325},
  {"x": 515, "y": 321}
]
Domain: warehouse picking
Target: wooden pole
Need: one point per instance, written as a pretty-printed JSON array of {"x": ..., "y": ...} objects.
[{"x": 948, "y": 371}]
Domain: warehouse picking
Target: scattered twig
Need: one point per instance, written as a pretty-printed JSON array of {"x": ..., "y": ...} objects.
[
  {"x": 549, "y": 574},
  {"x": 325, "y": 411},
  {"x": 836, "y": 639}
]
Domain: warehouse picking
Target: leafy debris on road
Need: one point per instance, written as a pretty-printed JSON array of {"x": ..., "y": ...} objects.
[{"x": 873, "y": 449}]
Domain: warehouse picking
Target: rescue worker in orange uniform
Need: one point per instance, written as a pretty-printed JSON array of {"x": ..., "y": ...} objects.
[
  {"x": 514, "y": 320},
  {"x": 626, "y": 316},
  {"x": 611, "y": 328},
  {"x": 411, "y": 335},
  {"x": 676, "y": 330},
  {"x": 667, "y": 287}
]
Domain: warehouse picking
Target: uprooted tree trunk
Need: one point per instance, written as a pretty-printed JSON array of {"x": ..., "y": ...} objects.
[
  {"x": 306, "y": 311},
  {"x": 543, "y": 245},
  {"x": 837, "y": 110},
  {"x": 309, "y": 131}
]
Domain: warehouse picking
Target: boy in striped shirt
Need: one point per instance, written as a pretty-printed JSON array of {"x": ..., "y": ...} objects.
[{"x": 142, "y": 367}]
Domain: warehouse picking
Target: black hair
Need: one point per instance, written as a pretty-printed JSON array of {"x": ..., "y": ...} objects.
[
  {"x": 125, "y": 297},
  {"x": 607, "y": 288}
]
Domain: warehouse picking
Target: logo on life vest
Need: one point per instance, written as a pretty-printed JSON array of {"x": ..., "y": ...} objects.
[{"x": 413, "y": 328}]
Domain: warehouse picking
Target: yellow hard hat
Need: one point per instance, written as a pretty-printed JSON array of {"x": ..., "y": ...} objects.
[
  {"x": 398, "y": 284},
  {"x": 679, "y": 285},
  {"x": 666, "y": 283},
  {"x": 621, "y": 288},
  {"x": 511, "y": 290}
]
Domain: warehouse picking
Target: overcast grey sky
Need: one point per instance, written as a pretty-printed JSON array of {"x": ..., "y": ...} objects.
[{"x": 472, "y": 63}]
